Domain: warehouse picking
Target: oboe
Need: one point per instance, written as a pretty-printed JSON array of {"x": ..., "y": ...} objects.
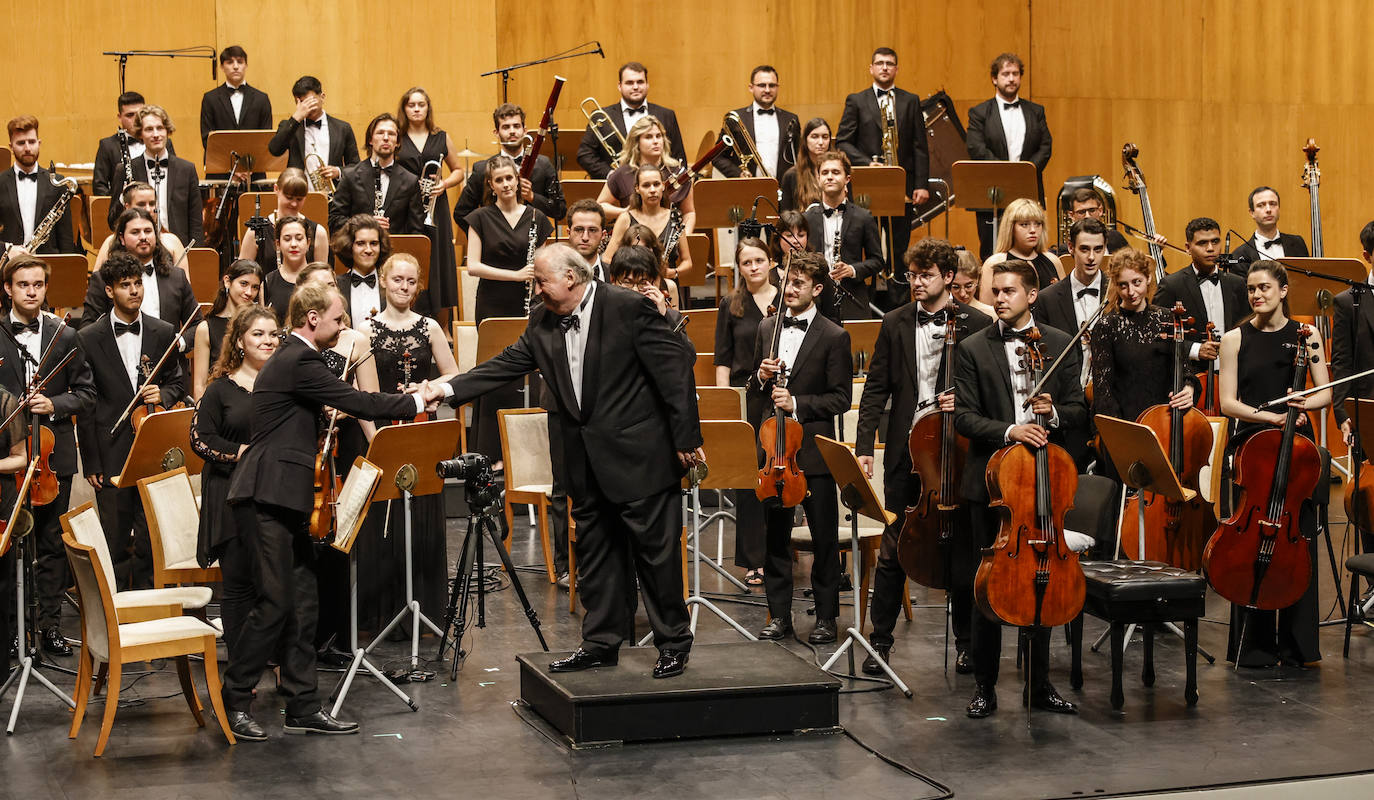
[{"x": 529, "y": 261}]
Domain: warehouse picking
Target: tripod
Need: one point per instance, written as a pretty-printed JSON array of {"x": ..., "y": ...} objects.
[{"x": 28, "y": 656}]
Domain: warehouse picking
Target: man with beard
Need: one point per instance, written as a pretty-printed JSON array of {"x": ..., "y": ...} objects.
[
  {"x": 541, "y": 190},
  {"x": 27, "y": 193},
  {"x": 378, "y": 178}
]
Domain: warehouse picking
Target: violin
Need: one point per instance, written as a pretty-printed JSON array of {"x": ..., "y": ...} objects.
[
  {"x": 1029, "y": 576},
  {"x": 1210, "y": 402},
  {"x": 137, "y": 412},
  {"x": 407, "y": 370},
  {"x": 145, "y": 368},
  {"x": 1135, "y": 181},
  {"x": 44, "y": 486},
  {"x": 937, "y": 458},
  {"x": 1175, "y": 533},
  {"x": 780, "y": 479},
  {"x": 327, "y": 482},
  {"x": 1258, "y": 558}
]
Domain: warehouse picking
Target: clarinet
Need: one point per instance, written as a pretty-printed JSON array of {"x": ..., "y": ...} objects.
[
  {"x": 674, "y": 235},
  {"x": 377, "y": 197},
  {"x": 529, "y": 260},
  {"x": 124, "y": 156},
  {"x": 835, "y": 244}
]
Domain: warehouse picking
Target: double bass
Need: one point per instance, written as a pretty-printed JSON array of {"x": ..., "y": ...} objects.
[
  {"x": 1135, "y": 181},
  {"x": 1029, "y": 577},
  {"x": 1175, "y": 532},
  {"x": 1259, "y": 558},
  {"x": 781, "y": 480}
]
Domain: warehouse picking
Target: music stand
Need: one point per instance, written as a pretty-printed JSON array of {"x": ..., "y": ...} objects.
[
  {"x": 221, "y": 145},
  {"x": 315, "y": 207},
  {"x": 882, "y": 190},
  {"x": 715, "y": 197},
  {"x": 857, "y": 495},
  {"x": 407, "y": 455},
  {"x": 991, "y": 185},
  {"x": 161, "y": 444}
]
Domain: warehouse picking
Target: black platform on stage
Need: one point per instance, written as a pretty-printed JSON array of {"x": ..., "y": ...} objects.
[{"x": 728, "y": 689}]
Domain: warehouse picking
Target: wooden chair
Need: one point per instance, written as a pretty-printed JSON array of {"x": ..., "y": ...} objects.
[
  {"x": 465, "y": 354},
  {"x": 417, "y": 245},
  {"x": 720, "y": 402},
  {"x": 702, "y": 329},
  {"x": 202, "y": 268},
  {"x": 67, "y": 286},
  {"x": 575, "y": 190},
  {"x": 863, "y": 337},
  {"x": 529, "y": 470},
  {"x": 704, "y": 369},
  {"x": 699, "y": 248},
  {"x": 467, "y": 296},
  {"x": 1209, "y": 477},
  {"x": 6, "y": 157},
  {"x": 100, "y": 219},
  {"x": 856, "y": 391},
  {"x": 105, "y": 641},
  {"x": 315, "y": 207},
  {"x": 173, "y": 522}
]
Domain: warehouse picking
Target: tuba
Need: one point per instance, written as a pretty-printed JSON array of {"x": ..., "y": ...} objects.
[
  {"x": 1065, "y": 205},
  {"x": 749, "y": 153},
  {"x": 429, "y": 178},
  {"x": 598, "y": 121},
  {"x": 319, "y": 181}
]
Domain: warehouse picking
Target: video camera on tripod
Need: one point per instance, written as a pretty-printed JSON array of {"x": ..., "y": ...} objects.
[{"x": 479, "y": 482}]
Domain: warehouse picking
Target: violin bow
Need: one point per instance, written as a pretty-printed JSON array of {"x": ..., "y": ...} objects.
[
  {"x": 1045, "y": 378},
  {"x": 156, "y": 369}
]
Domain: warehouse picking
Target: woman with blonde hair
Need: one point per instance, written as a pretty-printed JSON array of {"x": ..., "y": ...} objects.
[
  {"x": 1021, "y": 234},
  {"x": 646, "y": 143}
]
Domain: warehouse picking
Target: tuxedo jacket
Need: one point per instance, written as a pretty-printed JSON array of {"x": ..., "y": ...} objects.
[
  {"x": 72, "y": 389},
  {"x": 638, "y": 405},
  {"x": 102, "y": 453},
  {"x": 819, "y": 380},
  {"x": 789, "y": 138},
  {"x": 987, "y": 141},
  {"x": 1346, "y": 331},
  {"x": 861, "y": 247},
  {"x": 892, "y": 375},
  {"x": 347, "y": 281},
  {"x": 1054, "y": 304},
  {"x": 109, "y": 162},
  {"x": 355, "y": 193},
  {"x": 62, "y": 240},
  {"x": 1182, "y": 286},
  {"x": 592, "y": 156},
  {"x": 184, "y": 205},
  {"x": 548, "y": 191},
  {"x": 176, "y": 302},
  {"x": 217, "y": 111},
  {"x": 1248, "y": 253},
  {"x": 860, "y": 134},
  {"x": 289, "y": 396},
  {"x": 290, "y": 139},
  {"x": 984, "y": 406}
]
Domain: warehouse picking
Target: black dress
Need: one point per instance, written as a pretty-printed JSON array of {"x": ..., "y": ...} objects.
[
  {"x": 381, "y": 556},
  {"x": 1132, "y": 367},
  {"x": 674, "y": 223},
  {"x": 267, "y": 250},
  {"x": 276, "y": 293},
  {"x": 215, "y": 327},
  {"x": 1046, "y": 268},
  {"x": 1265, "y": 371},
  {"x": 442, "y": 284}
]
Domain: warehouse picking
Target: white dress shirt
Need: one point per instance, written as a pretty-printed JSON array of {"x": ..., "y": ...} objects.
[
  {"x": 930, "y": 343},
  {"x": 1083, "y": 307},
  {"x": 135, "y": 146},
  {"x": 236, "y": 100},
  {"x": 386, "y": 178},
  {"x": 790, "y": 342},
  {"x": 575, "y": 340},
  {"x": 31, "y": 343},
  {"x": 1268, "y": 248},
  {"x": 130, "y": 346},
  {"x": 317, "y": 139},
  {"x": 152, "y": 294},
  {"x": 766, "y": 138},
  {"x": 1021, "y": 384},
  {"x": 28, "y": 201},
  {"x": 1216, "y": 309},
  {"x": 363, "y": 300},
  {"x": 157, "y": 176},
  {"x": 632, "y": 115},
  {"x": 1013, "y": 125}
]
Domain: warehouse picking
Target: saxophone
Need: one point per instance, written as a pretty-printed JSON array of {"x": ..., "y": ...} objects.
[
  {"x": 48, "y": 224},
  {"x": 529, "y": 261}
]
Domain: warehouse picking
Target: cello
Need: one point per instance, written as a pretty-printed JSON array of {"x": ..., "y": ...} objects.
[
  {"x": 1175, "y": 533},
  {"x": 1029, "y": 577},
  {"x": 937, "y": 457},
  {"x": 1258, "y": 558},
  {"x": 781, "y": 480},
  {"x": 1135, "y": 181}
]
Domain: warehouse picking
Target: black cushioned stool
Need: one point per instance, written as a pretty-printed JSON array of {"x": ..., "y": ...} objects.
[{"x": 1142, "y": 593}]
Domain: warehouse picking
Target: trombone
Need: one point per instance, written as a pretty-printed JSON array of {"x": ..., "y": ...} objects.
[
  {"x": 319, "y": 181},
  {"x": 749, "y": 154},
  {"x": 612, "y": 142}
]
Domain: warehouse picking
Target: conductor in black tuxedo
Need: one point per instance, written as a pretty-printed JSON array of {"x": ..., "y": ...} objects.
[
  {"x": 625, "y": 413},
  {"x": 1209, "y": 294},
  {"x": 174, "y": 179},
  {"x": 634, "y": 93},
  {"x": 775, "y": 132},
  {"x": 234, "y": 105},
  {"x": 1008, "y": 127},
  {"x": 272, "y": 493},
  {"x": 119, "y": 345},
  {"x": 70, "y": 392},
  {"x": 860, "y": 136},
  {"x": 990, "y": 385},
  {"x": 166, "y": 291},
  {"x": 847, "y": 236},
  {"x": 541, "y": 190},
  {"x": 1266, "y": 242},
  {"x": 402, "y": 210},
  {"x": 310, "y": 130},
  {"x": 27, "y": 193}
]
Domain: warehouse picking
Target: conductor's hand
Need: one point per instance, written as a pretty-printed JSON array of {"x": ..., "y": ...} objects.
[
  {"x": 1043, "y": 405},
  {"x": 690, "y": 457},
  {"x": 768, "y": 368},
  {"x": 867, "y": 463},
  {"x": 1207, "y": 351},
  {"x": 1030, "y": 434},
  {"x": 150, "y": 394},
  {"x": 40, "y": 404}
]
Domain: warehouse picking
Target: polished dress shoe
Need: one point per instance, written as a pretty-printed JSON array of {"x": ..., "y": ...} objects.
[
  {"x": 319, "y": 722},
  {"x": 54, "y": 643},
  {"x": 584, "y": 659},
  {"x": 671, "y": 663},
  {"x": 823, "y": 633},
  {"x": 245, "y": 728},
  {"x": 1047, "y": 699},
  {"x": 871, "y": 665},
  {"x": 963, "y": 665},
  {"x": 778, "y": 628},
  {"x": 984, "y": 702}
]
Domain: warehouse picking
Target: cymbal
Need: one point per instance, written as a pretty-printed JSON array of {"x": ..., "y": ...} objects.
[{"x": 466, "y": 153}]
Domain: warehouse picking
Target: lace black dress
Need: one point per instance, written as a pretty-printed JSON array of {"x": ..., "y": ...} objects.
[{"x": 1132, "y": 367}]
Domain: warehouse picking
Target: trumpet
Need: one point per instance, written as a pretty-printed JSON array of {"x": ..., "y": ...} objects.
[
  {"x": 317, "y": 175},
  {"x": 749, "y": 154},
  {"x": 429, "y": 179},
  {"x": 612, "y": 142}
]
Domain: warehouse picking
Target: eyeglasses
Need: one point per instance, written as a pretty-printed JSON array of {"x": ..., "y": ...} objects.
[
  {"x": 921, "y": 277},
  {"x": 638, "y": 286},
  {"x": 580, "y": 231}
]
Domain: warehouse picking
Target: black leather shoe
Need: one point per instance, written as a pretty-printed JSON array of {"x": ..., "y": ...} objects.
[
  {"x": 823, "y": 633},
  {"x": 54, "y": 643},
  {"x": 984, "y": 702},
  {"x": 1047, "y": 699},
  {"x": 584, "y": 659},
  {"x": 332, "y": 659},
  {"x": 245, "y": 728},
  {"x": 671, "y": 663},
  {"x": 319, "y": 722},
  {"x": 871, "y": 665},
  {"x": 963, "y": 665},
  {"x": 779, "y": 628}
]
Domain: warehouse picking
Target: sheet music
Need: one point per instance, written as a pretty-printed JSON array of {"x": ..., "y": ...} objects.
[{"x": 354, "y": 498}]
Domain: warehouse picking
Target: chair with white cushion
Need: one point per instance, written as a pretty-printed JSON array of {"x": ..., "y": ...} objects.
[
  {"x": 529, "y": 470},
  {"x": 173, "y": 514}
]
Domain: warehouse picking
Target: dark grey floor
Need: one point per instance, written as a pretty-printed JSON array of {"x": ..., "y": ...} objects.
[{"x": 467, "y": 741}]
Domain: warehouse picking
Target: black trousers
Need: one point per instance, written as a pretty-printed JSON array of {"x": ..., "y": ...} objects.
[
  {"x": 126, "y": 533},
  {"x": 987, "y": 235},
  {"x": 987, "y": 633},
  {"x": 238, "y": 564},
  {"x": 558, "y": 526},
  {"x": 822, "y": 508},
  {"x": 281, "y": 623},
  {"x": 617, "y": 542},
  {"x": 50, "y": 557},
  {"x": 751, "y": 547}
]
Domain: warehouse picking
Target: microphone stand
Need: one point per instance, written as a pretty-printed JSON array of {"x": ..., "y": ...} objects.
[
  {"x": 199, "y": 51},
  {"x": 574, "y": 52},
  {"x": 752, "y": 227}
]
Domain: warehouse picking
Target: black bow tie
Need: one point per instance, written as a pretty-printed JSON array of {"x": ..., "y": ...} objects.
[
  {"x": 1214, "y": 278},
  {"x": 234, "y": 89},
  {"x": 148, "y": 269},
  {"x": 630, "y": 112},
  {"x": 370, "y": 279},
  {"x": 570, "y": 322},
  {"x": 315, "y": 123},
  {"x": 1092, "y": 290},
  {"x": 828, "y": 211},
  {"x": 121, "y": 328},
  {"x": 769, "y": 111},
  {"x": 29, "y": 176},
  {"x": 1268, "y": 242},
  {"x": 794, "y": 322},
  {"x": 884, "y": 94},
  {"x": 157, "y": 164},
  {"x": 1010, "y": 106},
  {"x": 924, "y": 317},
  {"x": 1009, "y": 335},
  {"x": 18, "y": 327}
]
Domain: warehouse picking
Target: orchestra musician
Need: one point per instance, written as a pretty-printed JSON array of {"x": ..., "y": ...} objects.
[
  {"x": 964, "y": 287},
  {"x": 175, "y": 179},
  {"x": 990, "y": 385},
  {"x": 1008, "y": 127},
  {"x": 645, "y": 144},
  {"x": 27, "y": 194},
  {"x": 815, "y": 353},
  {"x": 360, "y": 245},
  {"x": 1207, "y": 293},
  {"x": 1266, "y": 242},
  {"x": 272, "y": 493},
  {"x": 541, "y": 190},
  {"x": 110, "y": 153},
  {"x": 860, "y": 134},
  {"x": 643, "y": 236},
  {"x": 846, "y": 236},
  {"x": 69, "y": 393},
  {"x": 801, "y": 184},
  {"x": 1084, "y": 203},
  {"x": 423, "y": 142},
  {"x": 1257, "y": 364},
  {"x": 1352, "y": 351},
  {"x": 636, "y": 268},
  {"x": 633, "y": 84},
  {"x": 586, "y": 229},
  {"x": 649, "y": 207},
  {"x": 234, "y": 105},
  {"x": 142, "y": 196},
  {"x": 774, "y": 131},
  {"x": 240, "y": 288},
  {"x": 378, "y": 177},
  {"x": 627, "y": 420},
  {"x": 1021, "y": 235},
  {"x": 310, "y": 131},
  {"x": 291, "y": 189},
  {"x": 908, "y": 368},
  {"x": 119, "y": 344}
]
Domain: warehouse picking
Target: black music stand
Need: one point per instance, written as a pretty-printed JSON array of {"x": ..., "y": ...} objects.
[{"x": 992, "y": 185}]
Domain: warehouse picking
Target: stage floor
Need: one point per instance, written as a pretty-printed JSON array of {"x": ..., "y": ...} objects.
[{"x": 467, "y": 740}]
